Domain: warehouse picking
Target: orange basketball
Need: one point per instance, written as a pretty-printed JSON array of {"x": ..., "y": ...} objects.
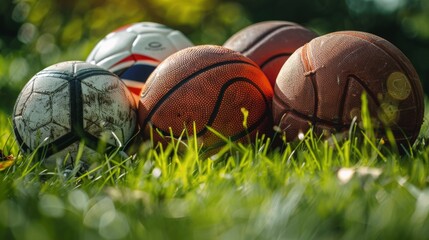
[
  {"x": 209, "y": 86},
  {"x": 270, "y": 44}
]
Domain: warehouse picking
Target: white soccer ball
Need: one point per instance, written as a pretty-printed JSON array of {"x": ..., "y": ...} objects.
[
  {"x": 132, "y": 52},
  {"x": 73, "y": 102}
]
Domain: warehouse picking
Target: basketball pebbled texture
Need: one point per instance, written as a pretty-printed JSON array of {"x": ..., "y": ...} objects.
[
  {"x": 208, "y": 85},
  {"x": 322, "y": 82},
  {"x": 270, "y": 44}
]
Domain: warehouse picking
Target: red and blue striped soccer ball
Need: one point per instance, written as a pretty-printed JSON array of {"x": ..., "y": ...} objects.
[{"x": 133, "y": 51}]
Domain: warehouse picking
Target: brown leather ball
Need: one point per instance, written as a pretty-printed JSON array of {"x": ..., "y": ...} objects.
[
  {"x": 270, "y": 44},
  {"x": 321, "y": 84},
  {"x": 209, "y": 86}
]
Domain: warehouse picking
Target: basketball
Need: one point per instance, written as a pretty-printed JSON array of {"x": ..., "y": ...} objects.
[
  {"x": 321, "y": 85},
  {"x": 270, "y": 44},
  {"x": 209, "y": 87}
]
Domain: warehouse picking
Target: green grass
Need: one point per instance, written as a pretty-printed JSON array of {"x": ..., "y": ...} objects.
[{"x": 312, "y": 189}]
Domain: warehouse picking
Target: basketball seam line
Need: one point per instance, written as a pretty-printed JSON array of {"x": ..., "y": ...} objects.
[
  {"x": 398, "y": 62},
  {"x": 344, "y": 95},
  {"x": 338, "y": 127},
  {"x": 365, "y": 87},
  {"x": 182, "y": 82},
  {"x": 385, "y": 51},
  {"x": 308, "y": 68},
  {"x": 343, "y": 100},
  {"x": 274, "y": 57},
  {"x": 217, "y": 106},
  {"x": 317, "y": 119},
  {"x": 266, "y": 35},
  {"x": 314, "y": 120},
  {"x": 222, "y": 92},
  {"x": 148, "y": 85}
]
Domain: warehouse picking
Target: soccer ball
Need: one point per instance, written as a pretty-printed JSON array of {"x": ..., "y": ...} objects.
[
  {"x": 132, "y": 52},
  {"x": 71, "y": 103}
]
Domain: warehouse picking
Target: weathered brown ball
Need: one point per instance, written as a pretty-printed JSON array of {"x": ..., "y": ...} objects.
[
  {"x": 209, "y": 86},
  {"x": 270, "y": 44},
  {"x": 321, "y": 85}
]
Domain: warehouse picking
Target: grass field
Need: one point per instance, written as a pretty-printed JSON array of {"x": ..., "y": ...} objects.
[{"x": 358, "y": 188}]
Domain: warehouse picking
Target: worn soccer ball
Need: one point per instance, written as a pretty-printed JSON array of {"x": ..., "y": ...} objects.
[
  {"x": 132, "y": 52},
  {"x": 71, "y": 103}
]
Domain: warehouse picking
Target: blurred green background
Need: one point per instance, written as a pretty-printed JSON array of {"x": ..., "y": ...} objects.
[{"x": 37, "y": 33}]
